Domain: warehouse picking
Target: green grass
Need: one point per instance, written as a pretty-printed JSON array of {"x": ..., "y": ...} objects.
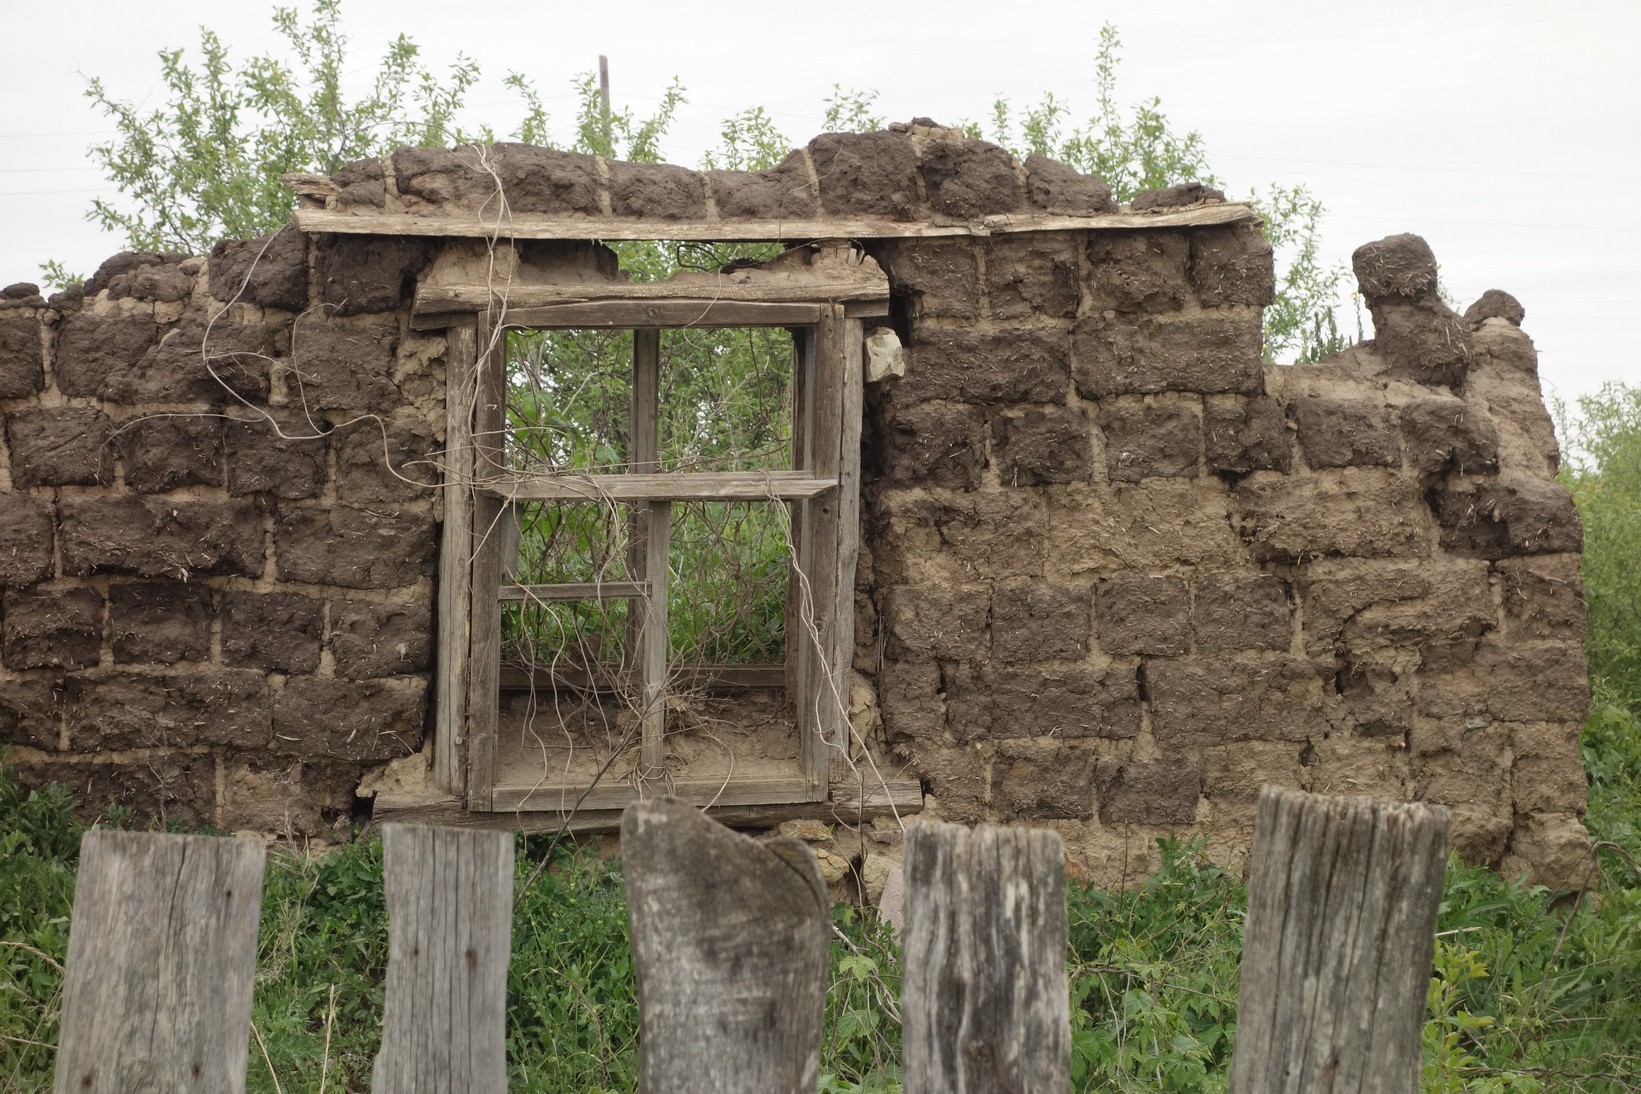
[{"x": 1532, "y": 993}]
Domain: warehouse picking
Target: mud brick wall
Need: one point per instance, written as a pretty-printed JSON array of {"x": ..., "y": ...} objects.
[
  {"x": 1122, "y": 573},
  {"x": 1116, "y": 572},
  {"x": 215, "y": 578}
]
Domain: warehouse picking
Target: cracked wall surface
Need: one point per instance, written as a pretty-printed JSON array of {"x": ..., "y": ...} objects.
[{"x": 1116, "y": 572}]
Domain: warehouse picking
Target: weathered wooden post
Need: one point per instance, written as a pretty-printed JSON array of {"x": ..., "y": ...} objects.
[
  {"x": 1337, "y": 949},
  {"x": 449, "y": 929},
  {"x": 985, "y": 1007},
  {"x": 729, "y": 948},
  {"x": 161, "y": 960}
]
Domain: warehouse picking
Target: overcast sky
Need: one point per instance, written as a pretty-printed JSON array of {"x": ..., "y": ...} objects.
[{"x": 1506, "y": 133}]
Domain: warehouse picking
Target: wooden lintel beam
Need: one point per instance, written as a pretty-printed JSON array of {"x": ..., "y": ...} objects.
[{"x": 544, "y": 226}]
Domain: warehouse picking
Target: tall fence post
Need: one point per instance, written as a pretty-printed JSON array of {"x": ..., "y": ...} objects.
[
  {"x": 1338, "y": 945},
  {"x": 985, "y": 1007},
  {"x": 449, "y": 928},
  {"x": 729, "y": 950},
  {"x": 161, "y": 962}
]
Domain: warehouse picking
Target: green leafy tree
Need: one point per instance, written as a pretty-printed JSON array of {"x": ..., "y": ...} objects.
[
  {"x": 1140, "y": 150},
  {"x": 206, "y": 164},
  {"x": 1603, "y": 469}
]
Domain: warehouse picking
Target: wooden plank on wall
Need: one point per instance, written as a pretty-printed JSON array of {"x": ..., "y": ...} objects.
[
  {"x": 696, "y": 790},
  {"x": 449, "y": 899},
  {"x": 897, "y": 797},
  {"x": 683, "y": 486},
  {"x": 632, "y": 314},
  {"x": 550, "y": 226},
  {"x": 161, "y": 963},
  {"x": 609, "y": 678},
  {"x": 842, "y": 581},
  {"x": 455, "y": 561},
  {"x": 484, "y": 665},
  {"x": 818, "y": 705},
  {"x": 729, "y": 944},
  {"x": 577, "y": 590}
]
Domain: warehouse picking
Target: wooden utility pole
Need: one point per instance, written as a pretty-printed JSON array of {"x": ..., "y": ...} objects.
[{"x": 604, "y": 101}]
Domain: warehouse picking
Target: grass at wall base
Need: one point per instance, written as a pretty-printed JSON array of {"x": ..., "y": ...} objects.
[{"x": 1531, "y": 993}]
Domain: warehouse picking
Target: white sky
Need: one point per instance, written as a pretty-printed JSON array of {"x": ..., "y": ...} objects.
[{"x": 1506, "y": 132}]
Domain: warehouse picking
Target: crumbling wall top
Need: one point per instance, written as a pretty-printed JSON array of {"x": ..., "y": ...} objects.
[{"x": 912, "y": 179}]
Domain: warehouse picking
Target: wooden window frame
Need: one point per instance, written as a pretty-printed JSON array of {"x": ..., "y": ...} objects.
[{"x": 823, "y": 487}]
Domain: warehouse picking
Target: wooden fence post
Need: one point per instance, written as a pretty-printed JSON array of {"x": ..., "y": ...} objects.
[
  {"x": 449, "y": 929},
  {"x": 1338, "y": 945},
  {"x": 729, "y": 948},
  {"x": 985, "y": 1007},
  {"x": 161, "y": 961}
]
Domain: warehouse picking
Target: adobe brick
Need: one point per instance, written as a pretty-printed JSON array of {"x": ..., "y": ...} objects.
[
  {"x": 165, "y": 786},
  {"x": 278, "y": 632},
  {"x": 28, "y": 712},
  {"x": 160, "y": 622},
  {"x": 1137, "y": 271},
  {"x": 1056, "y": 188},
  {"x": 277, "y": 269},
  {"x": 1033, "y": 446},
  {"x": 169, "y": 451},
  {"x": 112, "y": 709},
  {"x": 969, "y": 178},
  {"x": 1041, "y": 622},
  {"x": 1346, "y": 432},
  {"x": 999, "y": 366},
  {"x": 1211, "y": 700},
  {"x": 934, "y": 445},
  {"x": 1159, "y": 792},
  {"x": 948, "y": 623},
  {"x": 935, "y": 279},
  {"x": 1493, "y": 519},
  {"x": 658, "y": 190},
  {"x": 866, "y": 173},
  {"x": 1146, "y": 440},
  {"x": 371, "y": 640},
  {"x": 259, "y": 461},
  {"x": 345, "y": 364},
  {"x": 353, "y": 547},
  {"x": 1044, "y": 779},
  {"x": 52, "y": 629},
  {"x": 1215, "y": 352},
  {"x": 374, "y": 460},
  {"x": 1144, "y": 614},
  {"x": 1232, "y": 264},
  {"x": 1246, "y": 434},
  {"x": 1356, "y": 511},
  {"x": 911, "y": 699},
  {"x": 160, "y": 537},
  {"x": 1444, "y": 436},
  {"x": 1543, "y": 597},
  {"x": 1241, "y": 612},
  {"x": 60, "y": 446},
  {"x": 1000, "y": 701},
  {"x": 26, "y": 528},
  {"x": 358, "y": 274},
  {"x": 22, "y": 371},
  {"x": 348, "y": 720},
  {"x": 1032, "y": 274}
]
